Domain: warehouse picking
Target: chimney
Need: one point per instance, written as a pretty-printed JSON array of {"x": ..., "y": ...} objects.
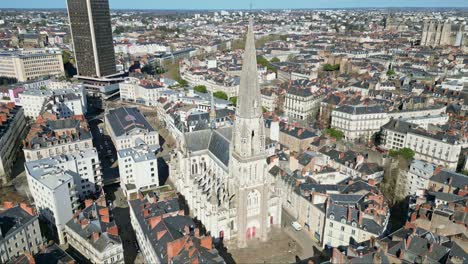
[
  {"x": 84, "y": 223},
  {"x": 408, "y": 241},
  {"x": 160, "y": 234},
  {"x": 8, "y": 205},
  {"x": 174, "y": 247},
  {"x": 207, "y": 242},
  {"x": 197, "y": 232},
  {"x": 145, "y": 213},
  {"x": 341, "y": 155},
  {"x": 154, "y": 221},
  {"x": 371, "y": 182},
  {"x": 413, "y": 217},
  {"x": 431, "y": 246},
  {"x": 114, "y": 230},
  {"x": 438, "y": 170},
  {"x": 360, "y": 217},
  {"x": 105, "y": 218},
  {"x": 349, "y": 214},
  {"x": 88, "y": 203},
  {"x": 96, "y": 236},
  {"x": 104, "y": 211},
  {"x": 186, "y": 230},
  {"x": 402, "y": 253}
]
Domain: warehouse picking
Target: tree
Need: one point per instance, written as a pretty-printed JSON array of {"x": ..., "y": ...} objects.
[
  {"x": 7, "y": 80},
  {"x": 265, "y": 63},
  {"x": 391, "y": 72},
  {"x": 182, "y": 82},
  {"x": 200, "y": 89},
  {"x": 275, "y": 60},
  {"x": 233, "y": 100},
  {"x": 220, "y": 95},
  {"x": 330, "y": 67},
  {"x": 119, "y": 30},
  {"x": 66, "y": 56},
  {"x": 334, "y": 133},
  {"x": 405, "y": 153}
]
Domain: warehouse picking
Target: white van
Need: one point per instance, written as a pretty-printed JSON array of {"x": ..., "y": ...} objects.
[{"x": 296, "y": 226}]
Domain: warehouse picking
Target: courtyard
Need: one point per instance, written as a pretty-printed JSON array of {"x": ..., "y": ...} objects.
[{"x": 280, "y": 248}]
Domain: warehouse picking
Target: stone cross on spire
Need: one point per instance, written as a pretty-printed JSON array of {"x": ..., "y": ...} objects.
[{"x": 248, "y": 102}]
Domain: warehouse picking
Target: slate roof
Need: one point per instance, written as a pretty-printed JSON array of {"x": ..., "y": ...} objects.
[
  {"x": 12, "y": 219},
  {"x": 360, "y": 109},
  {"x": 53, "y": 254},
  {"x": 123, "y": 120},
  {"x": 170, "y": 225},
  {"x": 95, "y": 223},
  {"x": 447, "y": 177},
  {"x": 215, "y": 141}
]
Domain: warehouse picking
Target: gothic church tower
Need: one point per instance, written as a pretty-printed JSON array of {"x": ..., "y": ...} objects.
[{"x": 247, "y": 167}]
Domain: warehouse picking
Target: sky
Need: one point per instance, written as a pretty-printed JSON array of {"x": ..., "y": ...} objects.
[{"x": 241, "y": 4}]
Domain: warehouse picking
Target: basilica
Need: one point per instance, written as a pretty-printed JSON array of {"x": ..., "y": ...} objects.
[{"x": 223, "y": 173}]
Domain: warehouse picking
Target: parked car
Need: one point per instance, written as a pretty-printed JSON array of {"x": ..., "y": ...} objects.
[{"x": 296, "y": 226}]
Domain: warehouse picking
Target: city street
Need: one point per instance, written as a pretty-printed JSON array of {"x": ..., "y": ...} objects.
[
  {"x": 107, "y": 153},
  {"x": 307, "y": 244},
  {"x": 121, "y": 213}
]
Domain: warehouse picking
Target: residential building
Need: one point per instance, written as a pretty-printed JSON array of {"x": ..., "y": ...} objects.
[
  {"x": 93, "y": 232},
  {"x": 54, "y": 194},
  {"x": 359, "y": 122},
  {"x": 125, "y": 125},
  {"x": 448, "y": 181},
  {"x": 436, "y": 147},
  {"x": 269, "y": 99},
  {"x": 52, "y": 253},
  {"x": 141, "y": 91},
  {"x": 12, "y": 131},
  {"x": 138, "y": 168},
  {"x": 64, "y": 105},
  {"x": 83, "y": 165},
  {"x": 19, "y": 231},
  {"x": 166, "y": 235},
  {"x": 29, "y": 64},
  {"x": 90, "y": 27},
  {"x": 302, "y": 101},
  {"x": 50, "y": 137},
  {"x": 347, "y": 222},
  {"x": 418, "y": 177},
  {"x": 409, "y": 244},
  {"x": 65, "y": 102},
  {"x": 295, "y": 138}
]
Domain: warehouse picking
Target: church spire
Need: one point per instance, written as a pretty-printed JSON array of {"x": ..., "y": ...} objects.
[
  {"x": 248, "y": 138},
  {"x": 248, "y": 103},
  {"x": 212, "y": 111}
]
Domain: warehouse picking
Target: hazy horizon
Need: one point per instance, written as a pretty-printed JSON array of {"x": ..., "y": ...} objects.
[{"x": 244, "y": 4}]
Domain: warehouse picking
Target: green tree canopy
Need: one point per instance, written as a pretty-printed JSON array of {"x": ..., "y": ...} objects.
[
  {"x": 330, "y": 67},
  {"x": 220, "y": 95},
  {"x": 334, "y": 133},
  {"x": 233, "y": 100},
  {"x": 405, "y": 153},
  {"x": 200, "y": 89},
  {"x": 275, "y": 60},
  {"x": 182, "y": 82},
  {"x": 391, "y": 72}
]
